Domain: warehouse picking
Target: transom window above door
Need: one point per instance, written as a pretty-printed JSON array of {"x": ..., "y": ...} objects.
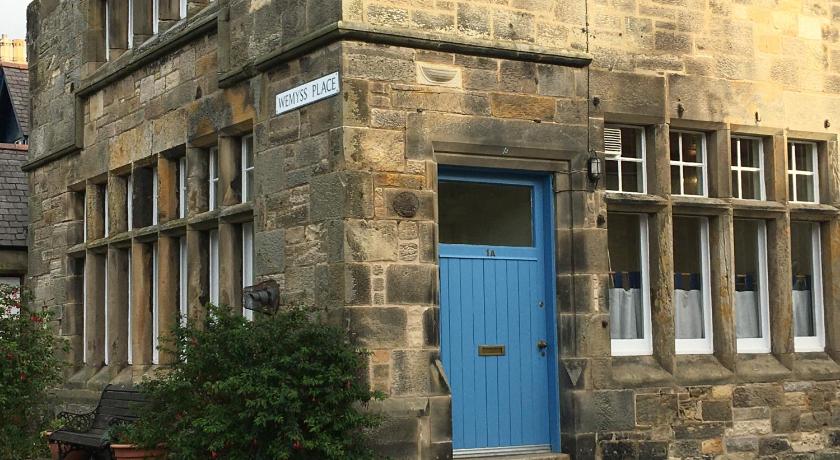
[
  {"x": 747, "y": 168},
  {"x": 486, "y": 214},
  {"x": 688, "y": 163},
  {"x": 624, "y": 152}
]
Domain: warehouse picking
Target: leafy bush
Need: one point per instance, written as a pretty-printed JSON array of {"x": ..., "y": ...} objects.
[
  {"x": 29, "y": 365},
  {"x": 280, "y": 387}
]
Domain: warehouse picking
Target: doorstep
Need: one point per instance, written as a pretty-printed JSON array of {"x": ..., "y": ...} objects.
[{"x": 544, "y": 456}]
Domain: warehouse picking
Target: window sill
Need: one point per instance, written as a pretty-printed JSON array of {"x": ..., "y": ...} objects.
[
  {"x": 812, "y": 211},
  {"x": 635, "y": 202},
  {"x": 699, "y": 205},
  {"x": 815, "y": 366},
  {"x": 754, "y": 368},
  {"x": 700, "y": 370},
  {"x": 241, "y": 212},
  {"x": 205, "y": 220},
  {"x": 756, "y": 208},
  {"x": 174, "y": 226},
  {"x": 638, "y": 372}
]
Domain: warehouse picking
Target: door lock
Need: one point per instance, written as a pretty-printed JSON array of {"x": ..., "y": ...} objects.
[{"x": 542, "y": 344}]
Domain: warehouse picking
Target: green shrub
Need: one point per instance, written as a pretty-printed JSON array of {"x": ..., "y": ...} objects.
[
  {"x": 280, "y": 387},
  {"x": 29, "y": 365}
]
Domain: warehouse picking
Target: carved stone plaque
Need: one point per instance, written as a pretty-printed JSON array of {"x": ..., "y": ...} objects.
[{"x": 405, "y": 204}]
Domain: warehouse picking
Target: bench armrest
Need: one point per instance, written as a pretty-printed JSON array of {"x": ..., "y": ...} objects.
[{"x": 79, "y": 423}]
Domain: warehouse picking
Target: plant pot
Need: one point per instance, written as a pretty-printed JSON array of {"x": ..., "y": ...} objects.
[
  {"x": 131, "y": 451},
  {"x": 75, "y": 455}
]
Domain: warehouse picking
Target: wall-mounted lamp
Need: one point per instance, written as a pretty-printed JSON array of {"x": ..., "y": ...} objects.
[
  {"x": 262, "y": 297},
  {"x": 595, "y": 168}
]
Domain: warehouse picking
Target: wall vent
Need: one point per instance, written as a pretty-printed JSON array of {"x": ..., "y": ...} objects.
[
  {"x": 612, "y": 142},
  {"x": 438, "y": 75}
]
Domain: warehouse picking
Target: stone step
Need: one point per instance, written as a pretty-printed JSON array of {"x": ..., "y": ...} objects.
[{"x": 545, "y": 456}]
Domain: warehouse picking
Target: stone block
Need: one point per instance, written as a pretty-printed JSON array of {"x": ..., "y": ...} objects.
[
  {"x": 619, "y": 450},
  {"x": 431, "y": 327},
  {"x": 772, "y": 445},
  {"x": 741, "y": 444},
  {"x": 521, "y": 106},
  {"x": 784, "y": 419},
  {"x": 269, "y": 252},
  {"x": 704, "y": 430},
  {"x": 370, "y": 240},
  {"x": 656, "y": 409},
  {"x": 411, "y": 284},
  {"x": 374, "y": 149},
  {"x": 757, "y": 395},
  {"x": 341, "y": 194},
  {"x": 556, "y": 80},
  {"x": 653, "y": 450},
  {"x": 411, "y": 372},
  {"x": 716, "y": 411},
  {"x": 607, "y": 410},
  {"x": 440, "y": 418},
  {"x": 377, "y": 327},
  {"x": 356, "y": 284},
  {"x": 473, "y": 20}
]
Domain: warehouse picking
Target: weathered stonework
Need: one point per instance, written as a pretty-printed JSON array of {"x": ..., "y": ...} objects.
[{"x": 345, "y": 207}]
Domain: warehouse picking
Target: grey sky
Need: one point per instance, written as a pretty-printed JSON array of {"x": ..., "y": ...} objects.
[{"x": 13, "y": 18}]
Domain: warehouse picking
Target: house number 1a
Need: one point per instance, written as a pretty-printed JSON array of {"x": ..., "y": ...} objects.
[{"x": 491, "y": 253}]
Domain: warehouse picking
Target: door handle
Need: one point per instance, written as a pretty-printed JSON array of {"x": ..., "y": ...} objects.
[{"x": 542, "y": 345}]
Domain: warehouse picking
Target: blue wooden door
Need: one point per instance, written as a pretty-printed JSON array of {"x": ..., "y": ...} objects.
[{"x": 495, "y": 337}]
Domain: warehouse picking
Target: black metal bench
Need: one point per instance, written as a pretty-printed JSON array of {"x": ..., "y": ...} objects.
[{"x": 88, "y": 432}]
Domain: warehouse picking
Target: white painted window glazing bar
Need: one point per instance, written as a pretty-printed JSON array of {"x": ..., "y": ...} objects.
[
  {"x": 84, "y": 217},
  {"x": 247, "y": 262},
  {"x": 183, "y": 9},
  {"x": 84, "y": 311}
]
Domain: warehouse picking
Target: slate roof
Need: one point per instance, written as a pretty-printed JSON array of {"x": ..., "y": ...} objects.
[
  {"x": 14, "y": 193},
  {"x": 17, "y": 82}
]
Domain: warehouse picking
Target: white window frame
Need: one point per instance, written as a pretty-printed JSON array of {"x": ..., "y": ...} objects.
[
  {"x": 213, "y": 273},
  {"x": 129, "y": 201},
  {"x": 84, "y": 310},
  {"x": 682, "y": 164},
  {"x": 182, "y": 10},
  {"x": 246, "y": 185},
  {"x": 643, "y": 346},
  {"x": 131, "y": 23},
  {"x": 705, "y": 345},
  {"x": 84, "y": 217},
  {"x": 107, "y": 30},
  {"x": 106, "y": 212},
  {"x": 155, "y": 197},
  {"x": 155, "y": 17},
  {"x": 213, "y": 178},
  {"x": 107, "y": 317},
  {"x": 182, "y": 187},
  {"x": 155, "y": 306},
  {"x": 130, "y": 303},
  {"x": 759, "y": 344},
  {"x": 794, "y": 172},
  {"x": 183, "y": 309},
  {"x": 247, "y": 263},
  {"x": 620, "y": 160},
  {"x": 816, "y": 343},
  {"x": 739, "y": 169}
]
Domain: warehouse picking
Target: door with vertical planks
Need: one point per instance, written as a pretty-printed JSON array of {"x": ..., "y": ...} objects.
[{"x": 496, "y": 343}]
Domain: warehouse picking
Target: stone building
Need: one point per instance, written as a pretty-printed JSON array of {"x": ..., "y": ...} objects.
[
  {"x": 607, "y": 228},
  {"x": 14, "y": 197}
]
